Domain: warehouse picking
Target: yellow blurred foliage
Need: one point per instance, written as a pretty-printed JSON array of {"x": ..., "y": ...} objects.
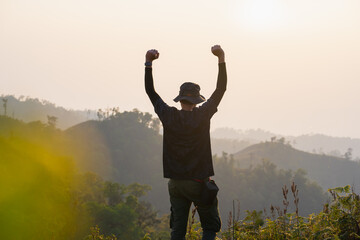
[{"x": 36, "y": 192}]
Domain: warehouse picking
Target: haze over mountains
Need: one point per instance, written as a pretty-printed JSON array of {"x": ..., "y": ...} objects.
[
  {"x": 313, "y": 143},
  {"x": 126, "y": 147},
  {"x": 33, "y": 109},
  {"x": 223, "y": 139}
]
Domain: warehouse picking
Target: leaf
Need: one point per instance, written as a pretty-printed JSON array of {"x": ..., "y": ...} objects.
[
  {"x": 338, "y": 189},
  {"x": 347, "y": 189}
]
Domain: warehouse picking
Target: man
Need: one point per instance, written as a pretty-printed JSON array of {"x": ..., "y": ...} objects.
[{"x": 187, "y": 158}]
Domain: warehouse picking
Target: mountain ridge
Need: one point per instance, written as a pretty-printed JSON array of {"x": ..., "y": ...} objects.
[
  {"x": 313, "y": 143},
  {"x": 328, "y": 171}
]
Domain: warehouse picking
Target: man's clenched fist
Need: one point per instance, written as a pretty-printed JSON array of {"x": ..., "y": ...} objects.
[
  {"x": 152, "y": 55},
  {"x": 217, "y": 51}
]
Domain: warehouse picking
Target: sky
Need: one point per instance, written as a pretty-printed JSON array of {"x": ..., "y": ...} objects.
[{"x": 293, "y": 66}]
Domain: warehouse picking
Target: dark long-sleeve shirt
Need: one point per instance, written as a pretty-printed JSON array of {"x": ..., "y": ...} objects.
[{"x": 186, "y": 142}]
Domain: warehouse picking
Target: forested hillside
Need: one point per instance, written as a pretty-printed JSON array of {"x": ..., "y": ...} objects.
[
  {"x": 126, "y": 148},
  {"x": 44, "y": 196},
  {"x": 328, "y": 171},
  {"x": 260, "y": 186},
  {"x": 32, "y": 109}
]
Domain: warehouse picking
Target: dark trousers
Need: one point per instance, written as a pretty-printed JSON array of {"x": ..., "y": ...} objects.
[{"x": 182, "y": 194}]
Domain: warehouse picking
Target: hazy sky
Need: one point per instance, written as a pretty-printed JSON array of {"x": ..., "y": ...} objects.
[{"x": 293, "y": 66}]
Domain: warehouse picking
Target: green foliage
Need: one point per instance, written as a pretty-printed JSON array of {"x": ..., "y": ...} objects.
[
  {"x": 339, "y": 220},
  {"x": 257, "y": 187},
  {"x": 118, "y": 220},
  {"x": 36, "y": 182},
  {"x": 194, "y": 231},
  {"x": 116, "y": 208},
  {"x": 95, "y": 235},
  {"x": 44, "y": 197}
]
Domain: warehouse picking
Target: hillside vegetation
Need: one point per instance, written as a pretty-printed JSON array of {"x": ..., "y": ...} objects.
[
  {"x": 49, "y": 166},
  {"x": 32, "y": 109},
  {"x": 45, "y": 196},
  {"x": 328, "y": 171}
]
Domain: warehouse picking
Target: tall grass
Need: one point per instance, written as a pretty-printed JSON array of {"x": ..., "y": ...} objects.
[{"x": 339, "y": 219}]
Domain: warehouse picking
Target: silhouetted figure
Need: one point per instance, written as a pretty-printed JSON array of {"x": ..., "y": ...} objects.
[{"x": 187, "y": 158}]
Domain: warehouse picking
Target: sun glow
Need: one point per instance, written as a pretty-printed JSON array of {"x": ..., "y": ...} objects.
[{"x": 260, "y": 15}]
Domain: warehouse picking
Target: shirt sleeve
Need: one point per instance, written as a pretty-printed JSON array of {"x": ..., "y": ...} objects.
[
  {"x": 213, "y": 102},
  {"x": 159, "y": 105},
  {"x": 162, "y": 110},
  {"x": 149, "y": 86}
]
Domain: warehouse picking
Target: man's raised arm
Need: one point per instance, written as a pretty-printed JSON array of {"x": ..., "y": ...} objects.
[
  {"x": 222, "y": 77},
  {"x": 150, "y": 56}
]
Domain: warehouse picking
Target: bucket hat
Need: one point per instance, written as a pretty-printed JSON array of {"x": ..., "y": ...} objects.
[{"x": 190, "y": 92}]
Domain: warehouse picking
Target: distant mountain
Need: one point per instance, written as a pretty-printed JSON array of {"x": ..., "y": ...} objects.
[
  {"x": 220, "y": 145},
  {"x": 328, "y": 171},
  {"x": 256, "y": 135},
  {"x": 33, "y": 109},
  {"x": 313, "y": 143}
]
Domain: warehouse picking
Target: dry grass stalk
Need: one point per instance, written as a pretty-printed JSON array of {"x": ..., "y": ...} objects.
[
  {"x": 295, "y": 193},
  {"x": 285, "y": 200},
  {"x": 191, "y": 220}
]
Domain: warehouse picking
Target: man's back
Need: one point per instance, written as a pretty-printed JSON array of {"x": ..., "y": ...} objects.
[{"x": 186, "y": 143}]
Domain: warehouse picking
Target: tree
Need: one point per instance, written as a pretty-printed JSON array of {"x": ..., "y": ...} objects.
[
  {"x": 5, "y": 105},
  {"x": 52, "y": 121},
  {"x": 113, "y": 192},
  {"x": 348, "y": 154},
  {"x": 281, "y": 140},
  {"x": 100, "y": 114}
]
